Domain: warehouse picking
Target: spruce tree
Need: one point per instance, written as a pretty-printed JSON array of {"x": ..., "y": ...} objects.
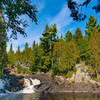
[
  {"x": 26, "y": 53},
  {"x": 90, "y": 25},
  {"x": 78, "y": 35},
  {"x": 35, "y": 59},
  {"x": 33, "y": 45},
  {"x": 68, "y": 36},
  {"x": 94, "y": 49},
  {"x": 3, "y": 53},
  {"x": 65, "y": 56},
  {"x": 11, "y": 57},
  {"x": 47, "y": 43},
  {"x": 18, "y": 55}
]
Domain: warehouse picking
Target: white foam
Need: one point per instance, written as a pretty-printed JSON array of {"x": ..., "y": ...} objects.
[
  {"x": 29, "y": 88},
  {"x": 28, "y": 84}
]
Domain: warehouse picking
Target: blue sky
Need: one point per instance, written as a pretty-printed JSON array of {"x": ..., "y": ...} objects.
[{"x": 52, "y": 12}]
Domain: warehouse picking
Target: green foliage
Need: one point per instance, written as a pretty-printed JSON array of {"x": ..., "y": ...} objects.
[
  {"x": 90, "y": 25},
  {"x": 11, "y": 56},
  {"x": 13, "y": 10},
  {"x": 68, "y": 36},
  {"x": 3, "y": 53},
  {"x": 19, "y": 69},
  {"x": 65, "y": 56},
  {"x": 94, "y": 49},
  {"x": 69, "y": 74},
  {"x": 47, "y": 43},
  {"x": 26, "y": 53},
  {"x": 78, "y": 35},
  {"x": 18, "y": 55},
  {"x": 26, "y": 71},
  {"x": 73, "y": 81},
  {"x": 35, "y": 59},
  {"x": 60, "y": 55}
]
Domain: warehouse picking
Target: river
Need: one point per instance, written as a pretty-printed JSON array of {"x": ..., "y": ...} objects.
[{"x": 57, "y": 96}]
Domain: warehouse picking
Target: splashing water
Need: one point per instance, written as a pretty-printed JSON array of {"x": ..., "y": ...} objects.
[{"x": 28, "y": 84}]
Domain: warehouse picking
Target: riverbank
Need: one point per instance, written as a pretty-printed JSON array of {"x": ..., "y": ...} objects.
[{"x": 49, "y": 84}]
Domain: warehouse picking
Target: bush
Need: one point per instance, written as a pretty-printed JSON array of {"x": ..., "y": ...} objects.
[
  {"x": 18, "y": 68},
  {"x": 25, "y": 71},
  {"x": 55, "y": 70},
  {"x": 69, "y": 74},
  {"x": 73, "y": 81}
]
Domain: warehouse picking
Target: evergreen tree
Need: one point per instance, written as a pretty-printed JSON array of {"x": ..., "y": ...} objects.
[
  {"x": 65, "y": 57},
  {"x": 94, "y": 49},
  {"x": 83, "y": 47},
  {"x": 61, "y": 38},
  {"x": 33, "y": 45},
  {"x": 78, "y": 38},
  {"x": 47, "y": 43},
  {"x": 3, "y": 53},
  {"x": 78, "y": 35},
  {"x": 90, "y": 25},
  {"x": 11, "y": 57},
  {"x": 10, "y": 18},
  {"x": 26, "y": 53},
  {"x": 35, "y": 59},
  {"x": 68, "y": 36},
  {"x": 12, "y": 12},
  {"x": 18, "y": 55}
]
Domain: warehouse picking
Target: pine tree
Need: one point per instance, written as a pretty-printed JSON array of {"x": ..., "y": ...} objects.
[
  {"x": 68, "y": 36},
  {"x": 26, "y": 53},
  {"x": 78, "y": 35},
  {"x": 65, "y": 56},
  {"x": 83, "y": 47},
  {"x": 35, "y": 59},
  {"x": 3, "y": 53},
  {"x": 18, "y": 55},
  {"x": 94, "y": 49},
  {"x": 33, "y": 45},
  {"x": 11, "y": 57},
  {"x": 90, "y": 25},
  {"x": 47, "y": 43}
]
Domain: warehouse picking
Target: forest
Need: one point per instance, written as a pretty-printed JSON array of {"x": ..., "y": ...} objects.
[{"x": 59, "y": 54}]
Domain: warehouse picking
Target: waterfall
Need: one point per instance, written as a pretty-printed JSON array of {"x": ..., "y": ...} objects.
[
  {"x": 2, "y": 83},
  {"x": 29, "y": 85}
]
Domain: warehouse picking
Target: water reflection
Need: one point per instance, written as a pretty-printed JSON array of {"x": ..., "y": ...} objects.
[
  {"x": 60, "y": 96},
  {"x": 70, "y": 96},
  {"x": 20, "y": 97}
]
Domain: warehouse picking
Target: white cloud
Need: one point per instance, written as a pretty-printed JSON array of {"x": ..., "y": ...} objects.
[
  {"x": 62, "y": 19},
  {"x": 40, "y": 5}
]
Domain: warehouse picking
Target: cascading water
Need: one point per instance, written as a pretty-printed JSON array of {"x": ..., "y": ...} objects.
[
  {"x": 27, "y": 93},
  {"x": 28, "y": 86}
]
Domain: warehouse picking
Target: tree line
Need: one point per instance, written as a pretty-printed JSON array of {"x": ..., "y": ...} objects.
[{"x": 59, "y": 55}]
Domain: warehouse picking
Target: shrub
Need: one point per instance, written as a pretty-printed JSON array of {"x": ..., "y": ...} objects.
[
  {"x": 73, "y": 81},
  {"x": 25, "y": 71},
  {"x": 18, "y": 68},
  {"x": 69, "y": 74}
]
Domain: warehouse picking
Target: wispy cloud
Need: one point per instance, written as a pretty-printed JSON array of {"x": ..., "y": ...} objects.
[
  {"x": 40, "y": 5},
  {"x": 21, "y": 41},
  {"x": 62, "y": 19}
]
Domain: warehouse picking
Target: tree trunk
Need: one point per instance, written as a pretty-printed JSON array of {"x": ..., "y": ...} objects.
[{"x": 3, "y": 53}]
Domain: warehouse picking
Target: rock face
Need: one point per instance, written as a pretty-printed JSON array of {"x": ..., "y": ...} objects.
[{"x": 81, "y": 75}]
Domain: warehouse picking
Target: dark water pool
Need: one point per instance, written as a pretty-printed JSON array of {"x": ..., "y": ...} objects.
[{"x": 57, "y": 96}]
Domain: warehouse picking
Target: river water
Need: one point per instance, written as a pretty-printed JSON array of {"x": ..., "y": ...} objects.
[
  {"x": 28, "y": 93},
  {"x": 57, "y": 96}
]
